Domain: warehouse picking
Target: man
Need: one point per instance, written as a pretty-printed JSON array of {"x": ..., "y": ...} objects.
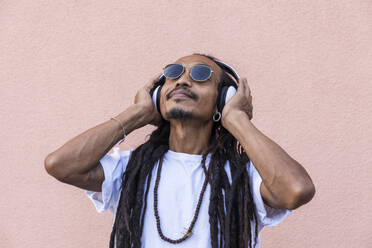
[{"x": 207, "y": 177}]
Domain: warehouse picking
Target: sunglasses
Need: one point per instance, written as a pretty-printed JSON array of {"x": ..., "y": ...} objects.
[{"x": 198, "y": 72}]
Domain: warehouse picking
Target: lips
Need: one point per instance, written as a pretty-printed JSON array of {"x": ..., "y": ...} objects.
[{"x": 180, "y": 93}]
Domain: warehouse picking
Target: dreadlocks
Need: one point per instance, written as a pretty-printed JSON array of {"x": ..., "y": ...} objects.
[{"x": 231, "y": 207}]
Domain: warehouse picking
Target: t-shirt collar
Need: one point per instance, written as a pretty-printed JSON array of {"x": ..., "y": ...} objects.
[{"x": 185, "y": 156}]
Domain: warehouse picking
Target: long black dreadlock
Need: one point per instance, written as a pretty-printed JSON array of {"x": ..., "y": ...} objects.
[{"x": 230, "y": 214}]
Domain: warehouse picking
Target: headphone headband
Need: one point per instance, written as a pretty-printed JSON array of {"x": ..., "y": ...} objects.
[{"x": 229, "y": 69}]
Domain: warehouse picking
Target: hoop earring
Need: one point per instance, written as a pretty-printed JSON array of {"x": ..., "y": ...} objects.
[{"x": 217, "y": 117}]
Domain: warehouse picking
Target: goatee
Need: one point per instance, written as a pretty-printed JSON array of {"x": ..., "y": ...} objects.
[{"x": 178, "y": 114}]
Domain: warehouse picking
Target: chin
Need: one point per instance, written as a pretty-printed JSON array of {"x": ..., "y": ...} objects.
[{"x": 178, "y": 114}]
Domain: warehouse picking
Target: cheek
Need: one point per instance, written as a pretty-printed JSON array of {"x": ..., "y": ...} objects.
[
  {"x": 207, "y": 103},
  {"x": 162, "y": 104}
]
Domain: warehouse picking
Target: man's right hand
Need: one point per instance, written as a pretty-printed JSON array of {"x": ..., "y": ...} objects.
[{"x": 144, "y": 101}]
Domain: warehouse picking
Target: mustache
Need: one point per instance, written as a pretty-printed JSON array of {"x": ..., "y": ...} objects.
[{"x": 188, "y": 91}]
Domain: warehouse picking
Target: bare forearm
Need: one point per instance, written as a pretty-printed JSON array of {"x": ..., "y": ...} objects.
[
  {"x": 283, "y": 176},
  {"x": 82, "y": 153}
]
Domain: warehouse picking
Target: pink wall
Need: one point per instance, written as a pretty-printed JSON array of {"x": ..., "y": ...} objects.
[{"x": 66, "y": 66}]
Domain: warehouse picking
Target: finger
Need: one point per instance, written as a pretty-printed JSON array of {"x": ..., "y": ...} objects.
[
  {"x": 241, "y": 87},
  {"x": 152, "y": 82},
  {"x": 246, "y": 87},
  {"x": 249, "y": 96}
]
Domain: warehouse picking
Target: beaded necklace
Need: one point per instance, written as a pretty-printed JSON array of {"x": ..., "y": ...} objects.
[{"x": 189, "y": 229}]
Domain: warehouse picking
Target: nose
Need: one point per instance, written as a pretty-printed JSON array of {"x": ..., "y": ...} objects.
[{"x": 184, "y": 79}]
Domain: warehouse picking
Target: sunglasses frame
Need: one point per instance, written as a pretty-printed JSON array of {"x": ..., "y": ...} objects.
[{"x": 183, "y": 70}]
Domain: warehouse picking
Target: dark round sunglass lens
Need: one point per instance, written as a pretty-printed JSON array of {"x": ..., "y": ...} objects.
[
  {"x": 201, "y": 72},
  {"x": 173, "y": 71}
]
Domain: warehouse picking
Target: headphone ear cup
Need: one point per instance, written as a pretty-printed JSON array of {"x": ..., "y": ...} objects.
[
  {"x": 156, "y": 97},
  {"x": 155, "y": 92},
  {"x": 226, "y": 93},
  {"x": 231, "y": 91}
]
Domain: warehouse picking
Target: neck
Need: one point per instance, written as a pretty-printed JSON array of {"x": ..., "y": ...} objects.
[{"x": 188, "y": 137}]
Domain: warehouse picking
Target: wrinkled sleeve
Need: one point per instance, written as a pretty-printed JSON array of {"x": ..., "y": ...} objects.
[
  {"x": 266, "y": 215},
  {"x": 113, "y": 165}
]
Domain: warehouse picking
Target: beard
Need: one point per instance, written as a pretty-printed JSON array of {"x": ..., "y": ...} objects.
[{"x": 178, "y": 114}]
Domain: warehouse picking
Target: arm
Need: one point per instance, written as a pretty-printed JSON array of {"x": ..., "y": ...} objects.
[
  {"x": 286, "y": 183},
  {"x": 77, "y": 161}
]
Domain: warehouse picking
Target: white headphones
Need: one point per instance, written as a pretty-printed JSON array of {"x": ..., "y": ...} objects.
[{"x": 228, "y": 89}]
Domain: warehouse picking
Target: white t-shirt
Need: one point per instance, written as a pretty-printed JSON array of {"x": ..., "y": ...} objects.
[{"x": 182, "y": 177}]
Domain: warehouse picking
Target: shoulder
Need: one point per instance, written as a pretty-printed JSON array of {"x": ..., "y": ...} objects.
[
  {"x": 116, "y": 156},
  {"x": 113, "y": 164},
  {"x": 249, "y": 167},
  {"x": 267, "y": 216}
]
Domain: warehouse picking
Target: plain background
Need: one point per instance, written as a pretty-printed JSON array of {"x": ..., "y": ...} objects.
[{"x": 66, "y": 66}]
